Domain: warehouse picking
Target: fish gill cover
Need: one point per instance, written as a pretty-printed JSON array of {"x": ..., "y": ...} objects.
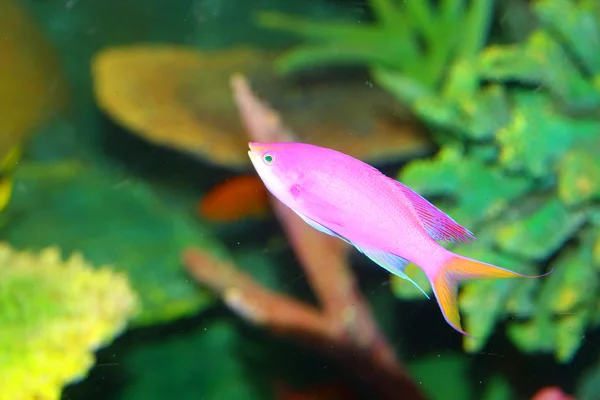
[{"x": 519, "y": 132}]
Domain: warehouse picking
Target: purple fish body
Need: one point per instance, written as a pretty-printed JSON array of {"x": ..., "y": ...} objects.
[{"x": 384, "y": 219}]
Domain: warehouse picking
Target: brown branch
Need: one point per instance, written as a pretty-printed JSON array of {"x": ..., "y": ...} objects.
[
  {"x": 321, "y": 256},
  {"x": 336, "y": 287},
  {"x": 267, "y": 128},
  {"x": 332, "y": 287},
  {"x": 345, "y": 329},
  {"x": 255, "y": 303},
  {"x": 288, "y": 317},
  {"x": 324, "y": 261}
]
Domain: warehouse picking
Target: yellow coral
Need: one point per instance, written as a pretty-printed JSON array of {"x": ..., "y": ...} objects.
[
  {"x": 54, "y": 314},
  {"x": 180, "y": 100}
]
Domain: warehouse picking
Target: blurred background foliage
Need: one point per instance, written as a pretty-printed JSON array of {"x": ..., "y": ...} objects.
[{"x": 490, "y": 109}]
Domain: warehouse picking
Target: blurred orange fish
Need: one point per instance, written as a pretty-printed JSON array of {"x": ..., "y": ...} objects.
[{"x": 236, "y": 198}]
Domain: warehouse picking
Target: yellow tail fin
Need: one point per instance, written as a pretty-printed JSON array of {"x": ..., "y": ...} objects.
[{"x": 458, "y": 268}]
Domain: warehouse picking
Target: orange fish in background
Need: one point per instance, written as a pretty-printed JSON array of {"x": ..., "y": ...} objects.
[{"x": 236, "y": 198}]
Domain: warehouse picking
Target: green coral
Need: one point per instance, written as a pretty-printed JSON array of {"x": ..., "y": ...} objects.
[
  {"x": 535, "y": 137},
  {"x": 54, "y": 314},
  {"x": 518, "y": 163},
  {"x": 552, "y": 148},
  {"x": 484, "y": 302},
  {"x": 565, "y": 307},
  {"x": 578, "y": 177},
  {"x": 534, "y": 236}
]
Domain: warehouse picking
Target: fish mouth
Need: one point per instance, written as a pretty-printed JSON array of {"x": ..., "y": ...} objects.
[
  {"x": 254, "y": 151},
  {"x": 255, "y": 147},
  {"x": 252, "y": 154}
]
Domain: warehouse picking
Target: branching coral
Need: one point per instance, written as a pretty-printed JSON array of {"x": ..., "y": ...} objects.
[{"x": 54, "y": 314}]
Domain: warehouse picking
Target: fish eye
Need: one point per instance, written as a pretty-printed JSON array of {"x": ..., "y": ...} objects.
[{"x": 268, "y": 158}]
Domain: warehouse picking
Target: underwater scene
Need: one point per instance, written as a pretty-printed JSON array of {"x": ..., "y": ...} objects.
[{"x": 300, "y": 199}]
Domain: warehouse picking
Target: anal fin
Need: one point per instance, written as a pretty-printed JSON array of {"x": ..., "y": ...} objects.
[{"x": 391, "y": 262}]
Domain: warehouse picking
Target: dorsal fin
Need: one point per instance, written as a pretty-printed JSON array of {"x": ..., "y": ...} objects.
[{"x": 437, "y": 224}]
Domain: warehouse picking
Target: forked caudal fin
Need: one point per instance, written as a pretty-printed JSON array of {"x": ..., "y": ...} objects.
[{"x": 458, "y": 268}]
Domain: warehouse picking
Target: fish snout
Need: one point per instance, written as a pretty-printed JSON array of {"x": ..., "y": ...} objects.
[
  {"x": 256, "y": 150},
  {"x": 254, "y": 147}
]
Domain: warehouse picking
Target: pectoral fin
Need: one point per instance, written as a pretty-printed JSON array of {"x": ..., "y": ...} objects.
[
  {"x": 321, "y": 228},
  {"x": 313, "y": 204}
]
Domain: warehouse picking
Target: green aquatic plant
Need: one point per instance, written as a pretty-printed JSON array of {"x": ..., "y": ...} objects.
[
  {"x": 447, "y": 32},
  {"x": 54, "y": 314},
  {"x": 519, "y": 131},
  {"x": 420, "y": 53}
]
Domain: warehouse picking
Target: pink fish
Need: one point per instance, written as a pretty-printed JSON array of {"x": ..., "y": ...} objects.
[{"x": 384, "y": 219}]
